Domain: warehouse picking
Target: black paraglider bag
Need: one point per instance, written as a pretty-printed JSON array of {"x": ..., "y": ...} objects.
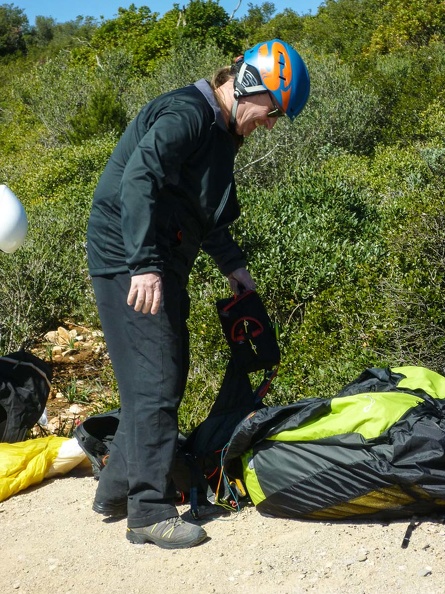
[{"x": 249, "y": 332}]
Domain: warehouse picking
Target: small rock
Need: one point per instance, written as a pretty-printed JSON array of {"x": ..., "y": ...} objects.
[
  {"x": 75, "y": 409},
  {"x": 52, "y": 337},
  {"x": 64, "y": 335},
  {"x": 69, "y": 352}
]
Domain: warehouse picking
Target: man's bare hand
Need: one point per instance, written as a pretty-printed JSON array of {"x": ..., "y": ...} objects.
[{"x": 145, "y": 292}]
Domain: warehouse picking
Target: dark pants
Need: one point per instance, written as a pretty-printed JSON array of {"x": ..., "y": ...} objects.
[{"x": 150, "y": 357}]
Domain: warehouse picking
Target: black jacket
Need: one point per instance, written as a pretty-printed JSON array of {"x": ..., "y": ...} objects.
[{"x": 167, "y": 190}]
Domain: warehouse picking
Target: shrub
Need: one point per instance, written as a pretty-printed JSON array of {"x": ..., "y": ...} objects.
[
  {"x": 74, "y": 102},
  {"x": 186, "y": 63},
  {"x": 305, "y": 243},
  {"x": 340, "y": 117},
  {"x": 46, "y": 281}
]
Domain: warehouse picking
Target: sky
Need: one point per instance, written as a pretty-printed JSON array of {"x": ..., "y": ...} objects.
[{"x": 66, "y": 10}]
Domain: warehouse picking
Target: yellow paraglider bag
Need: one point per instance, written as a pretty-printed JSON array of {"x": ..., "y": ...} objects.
[{"x": 29, "y": 462}]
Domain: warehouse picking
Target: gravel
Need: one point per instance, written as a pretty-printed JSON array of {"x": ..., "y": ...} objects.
[{"x": 52, "y": 542}]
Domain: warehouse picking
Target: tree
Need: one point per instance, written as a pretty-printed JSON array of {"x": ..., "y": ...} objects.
[
  {"x": 259, "y": 24},
  {"x": 404, "y": 23},
  {"x": 13, "y": 25},
  {"x": 254, "y": 21},
  {"x": 139, "y": 33},
  {"x": 343, "y": 27},
  {"x": 209, "y": 22},
  {"x": 48, "y": 37},
  {"x": 44, "y": 30},
  {"x": 128, "y": 29},
  {"x": 149, "y": 39},
  {"x": 102, "y": 112}
]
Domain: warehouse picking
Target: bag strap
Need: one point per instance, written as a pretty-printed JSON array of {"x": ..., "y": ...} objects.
[{"x": 263, "y": 388}]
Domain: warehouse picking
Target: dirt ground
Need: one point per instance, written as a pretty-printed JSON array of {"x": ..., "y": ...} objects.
[{"x": 52, "y": 542}]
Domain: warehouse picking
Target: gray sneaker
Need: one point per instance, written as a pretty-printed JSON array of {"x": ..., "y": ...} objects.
[{"x": 173, "y": 533}]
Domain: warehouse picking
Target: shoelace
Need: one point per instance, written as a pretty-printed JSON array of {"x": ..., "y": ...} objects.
[{"x": 171, "y": 525}]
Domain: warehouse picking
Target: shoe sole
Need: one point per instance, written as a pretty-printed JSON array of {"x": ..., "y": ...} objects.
[{"x": 135, "y": 538}]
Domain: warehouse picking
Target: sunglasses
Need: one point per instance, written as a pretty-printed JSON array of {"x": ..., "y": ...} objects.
[{"x": 276, "y": 112}]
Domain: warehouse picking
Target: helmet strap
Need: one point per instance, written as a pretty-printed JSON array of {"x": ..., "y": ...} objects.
[
  {"x": 238, "y": 138},
  {"x": 232, "y": 120}
]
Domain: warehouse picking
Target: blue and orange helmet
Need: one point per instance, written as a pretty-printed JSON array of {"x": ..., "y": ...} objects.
[{"x": 275, "y": 67}]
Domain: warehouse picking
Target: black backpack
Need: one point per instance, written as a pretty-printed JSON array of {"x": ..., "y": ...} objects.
[{"x": 25, "y": 383}]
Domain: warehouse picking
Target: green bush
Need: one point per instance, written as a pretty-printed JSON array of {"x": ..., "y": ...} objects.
[
  {"x": 102, "y": 113},
  {"x": 299, "y": 237},
  {"x": 74, "y": 102},
  {"x": 343, "y": 234},
  {"x": 186, "y": 63},
  {"x": 341, "y": 117},
  {"x": 302, "y": 242},
  {"x": 407, "y": 83},
  {"x": 46, "y": 281}
]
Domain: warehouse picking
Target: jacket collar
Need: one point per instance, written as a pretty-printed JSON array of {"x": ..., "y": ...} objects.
[{"x": 203, "y": 85}]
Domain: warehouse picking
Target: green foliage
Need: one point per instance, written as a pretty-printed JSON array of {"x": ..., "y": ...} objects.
[
  {"x": 407, "y": 82},
  {"x": 102, "y": 113},
  {"x": 209, "y": 352},
  {"x": 207, "y": 22},
  {"x": 338, "y": 336},
  {"x": 340, "y": 116},
  {"x": 186, "y": 63},
  {"x": 409, "y": 185},
  {"x": 13, "y": 24},
  {"x": 402, "y": 23},
  {"x": 46, "y": 281},
  {"x": 47, "y": 38},
  {"x": 342, "y": 211},
  {"x": 300, "y": 238},
  {"x": 343, "y": 27},
  {"x": 417, "y": 286},
  {"x": 255, "y": 20},
  {"x": 432, "y": 121},
  {"x": 74, "y": 102},
  {"x": 130, "y": 31},
  {"x": 341, "y": 113},
  {"x": 44, "y": 30},
  {"x": 149, "y": 39},
  {"x": 287, "y": 26}
]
